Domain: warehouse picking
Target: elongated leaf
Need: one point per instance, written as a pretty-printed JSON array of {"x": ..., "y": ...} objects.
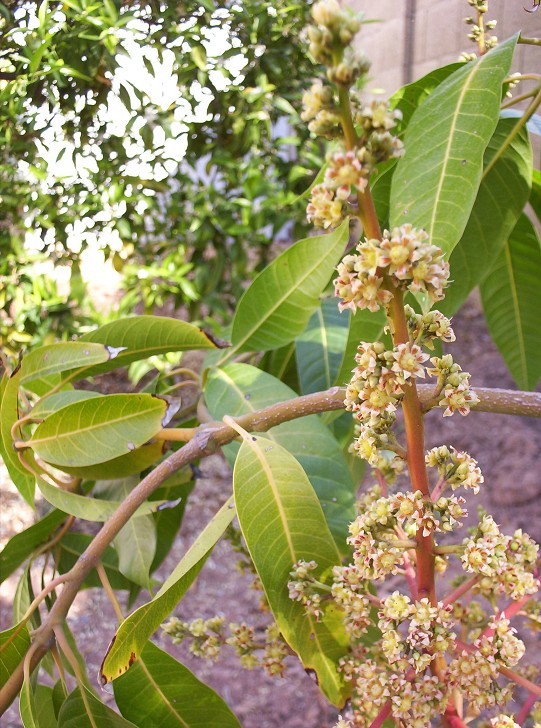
[
  {"x": 363, "y": 326},
  {"x": 238, "y": 389},
  {"x": 23, "y": 544},
  {"x": 135, "y": 630},
  {"x": 320, "y": 348},
  {"x": 512, "y": 301},
  {"x": 277, "y": 306},
  {"x": 9, "y": 414},
  {"x": 436, "y": 182},
  {"x": 282, "y": 522},
  {"x": 14, "y": 643},
  {"x": 130, "y": 464},
  {"x": 89, "y": 509},
  {"x": 412, "y": 95},
  {"x": 63, "y": 357},
  {"x": 56, "y": 401},
  {"x": 501, "y": 198},
  {"x": 82, "y": 709},
  {"x": 70, "y": 549},
  {"x": 23, "y": 596},
  {"x": 98, "y": 429},
  {"x": 37, "y": 707},
  {"x": 168, "y": 520},
  {"x": 282, "y": 365},
  {"x": 167, "y": 694},
  {"x": 145, "y": 336},
  {"x": 135, "y": 543},
  {"x": 535, "y": 195}
]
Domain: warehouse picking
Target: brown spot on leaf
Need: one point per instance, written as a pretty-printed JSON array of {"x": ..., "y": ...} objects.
[
  {"x": 132, "y": 659},
  {"x": 218, "y": 343}
]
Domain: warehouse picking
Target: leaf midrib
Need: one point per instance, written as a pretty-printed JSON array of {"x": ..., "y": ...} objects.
[{"x": 57, "y": 436}]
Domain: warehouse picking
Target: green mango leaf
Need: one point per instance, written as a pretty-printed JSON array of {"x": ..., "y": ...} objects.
[
  {"x": 37, "y": 707},
  {"x": 168, "y": 520},
  {"x": 238, "y": 389},
  {"x": 435, "y": 183},
  {"x": 145, "y": 336},
  {"x": 282, "y": 365},
  {"x": 82, "y": 709},
  {"x": 277, "y": 306},
  {"x": 14, "y": 643},
  {"x": 512, "y": 301},
  {"x": 130, "y": 464},
  {"x": 282, "y": 521},
  {"x": 135, "y": 630},
  {"x": 9, "y": 414},
  {"x": 380, "y": 187},
  {"x": 102, "y": 428},
  {"x": 85, "y": 507},
  {"x": 70, "y": 549},
  {"x": 22, "y": 599},
  {"x": 63, "y": 357},
  {"x": 535, "y": 195},
  {"x": 46, "y": 406},
  {"x": 168, "y": 694},
  {"x": 320, "y": 348},
  {"x": 412, "y": 95},
  {"x": 23, "y": 544},
  {"x": 135, "y": 543},
  {"x": 504, "y": 190},
  {"x": 363, "y": 326}
]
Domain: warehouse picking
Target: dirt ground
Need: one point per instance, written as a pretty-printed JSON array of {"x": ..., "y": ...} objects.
[{"x": 508, "y": 451}]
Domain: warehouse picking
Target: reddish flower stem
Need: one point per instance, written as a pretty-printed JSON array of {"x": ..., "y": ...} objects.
[
  {"x": 525, "y": 711},
  {"x": 382, "y": 716}
]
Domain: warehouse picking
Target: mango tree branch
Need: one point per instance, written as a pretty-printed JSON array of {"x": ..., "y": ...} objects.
[{"x": 206, "y": 439}]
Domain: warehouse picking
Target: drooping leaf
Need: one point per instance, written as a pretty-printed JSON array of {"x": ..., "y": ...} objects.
[
  {"x": 85, "y": 507},
  {"x": 363, "y": 326},
  {"x": 37, "y": 707},
  {"x": 503, "y": 192},
  {"x": 102, "y": 428},
  {"x": 145, "y": 336},
  {"x": 23, "y": 544},
  {"x": 82, "y": 709},
  {"x": 435, "y": 184},
  {"x": 238, "y": 389},
  {"x": 63, "y": 357},
  {"x": 9, "y": 414},
  {"x": 168, "y": 694},
  {"x": 130, "y": 464},
  {"x": 135, "y": 630},
  {"x": 23, "y": 596},
  {"x": 282, "y": 522},
  {"x": 320, "y": 347},
  {"x": 135, "y": 543},
  {"x": 512, "y": 301},
  {"x": 277, "y": 306},
  {"x": 14, "y": 643}
]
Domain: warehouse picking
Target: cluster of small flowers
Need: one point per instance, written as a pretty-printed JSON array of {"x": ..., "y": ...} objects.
[
  {"x": 376, "y": 447},
  {"x": 373, "y": 557},
  {"x": 478, "y": 27},
  {"x": 304, "y": 587},
  {"x": 404, "y": 254},
  {"x": 206, "y": 635},
  {"x": 476, "y": 678},
  {"x": 507, "y": 562},
  {"x": 416, "y": 702},
  {"x": 500, "y": 644},
  {"x": 335, "y": 27},
  {"x": 320, "y": 111},
  {"x": 453, "y": 384},
  {"x": 428, "y": 631},
  {"x": 425, "y": 515},
  {"x": 346, "y": 591},
  {"x": 503, "y": 721},
  {"x": 455, "y": 467},
  {"x": 425, "y": 328}
]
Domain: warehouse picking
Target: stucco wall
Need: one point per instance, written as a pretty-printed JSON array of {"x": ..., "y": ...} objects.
[{"x": 439, "y": 35}]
